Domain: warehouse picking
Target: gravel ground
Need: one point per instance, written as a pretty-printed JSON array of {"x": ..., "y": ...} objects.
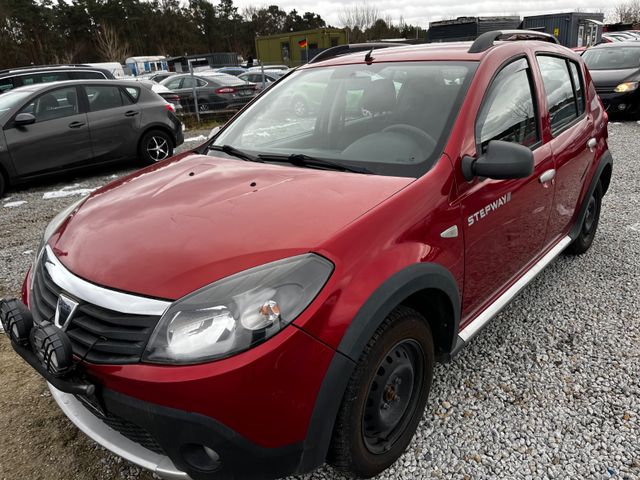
[{"x": 550, "y": 389}]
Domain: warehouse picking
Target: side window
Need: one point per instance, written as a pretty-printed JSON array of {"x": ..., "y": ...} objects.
[
  {"x": 103, "y": 97},
  {"x": 133, "y": 92},
  {"x": 44, "y": 77},
  {"x": 200, "y": 83},
  {"x": 508, "y": 112},
  {"x": 559, "y": 90},
  {"x": 6, "y": 84},
  {"x": 87, "y": 75},
  {"x": 576, "y": 75},
  {"x": 174, "y": 84},
  {"x": 59, "y": 103},
  {"x": 188, "y": 82}
]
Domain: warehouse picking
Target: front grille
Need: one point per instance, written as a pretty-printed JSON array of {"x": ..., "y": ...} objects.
[
  {"x": 601, "y": 90},
  {"x": 97, "y": 334},
  {"x": 126, "y": 428}
]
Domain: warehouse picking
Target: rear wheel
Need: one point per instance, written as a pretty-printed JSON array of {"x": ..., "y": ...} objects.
[
  {"x": 583, "y": 241},
  {"x": 155, "y": 146},
  {"x": 386, "y": 396}
]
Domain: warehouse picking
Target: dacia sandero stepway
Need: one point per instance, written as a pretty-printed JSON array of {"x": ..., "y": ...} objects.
[{"x": 276, "y": 299}]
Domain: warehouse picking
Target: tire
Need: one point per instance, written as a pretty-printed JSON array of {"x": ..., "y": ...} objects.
[
  {"x": 379, "y": 414},
  {"x": 589, "y": 226},
  {"x": 203, "y": 106},
  {"x": 300, "y": 107},
  {"x": 155, "y": 146}
]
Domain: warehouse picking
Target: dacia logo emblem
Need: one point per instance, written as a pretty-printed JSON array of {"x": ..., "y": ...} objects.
[{"x": 65, "y": 310}]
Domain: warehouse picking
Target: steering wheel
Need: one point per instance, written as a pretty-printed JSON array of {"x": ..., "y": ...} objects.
[{"x": 420, "y": 135}]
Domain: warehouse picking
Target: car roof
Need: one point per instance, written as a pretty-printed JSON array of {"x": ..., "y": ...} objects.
[
  {"x": 36, "y": 87},
  {"x": 47, "y": 68},
  {"x": 445, "y": 51},
  {"x": 632, "y": 44}
]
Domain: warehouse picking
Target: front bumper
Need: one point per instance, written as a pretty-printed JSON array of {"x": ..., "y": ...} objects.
[
  {"x": 112, "y": 440},
  {"x": 621, "y": 103}
]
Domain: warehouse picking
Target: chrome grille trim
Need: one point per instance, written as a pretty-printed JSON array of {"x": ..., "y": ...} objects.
[{"x": 100, "y": 296}]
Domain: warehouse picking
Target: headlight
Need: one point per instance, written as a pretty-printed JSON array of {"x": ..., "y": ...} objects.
[
  {"x": 626, "y": 87},
  {"x": 238, "y": 312},
  {"x": 51, "y": 229}
]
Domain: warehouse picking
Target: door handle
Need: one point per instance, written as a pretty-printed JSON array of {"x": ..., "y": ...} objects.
[
  {"x": 547, "y": 176},
  {"x": 76, "y": 124},
  {"x": 131, "y": 113},
  {"x": 591, "y": 144}
]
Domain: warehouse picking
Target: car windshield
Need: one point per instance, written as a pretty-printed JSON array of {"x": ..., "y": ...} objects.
[
  {"x": 388, "y": 118},
  {"x": 10, "y": 100},
  {"x": 612, "y": 58}
]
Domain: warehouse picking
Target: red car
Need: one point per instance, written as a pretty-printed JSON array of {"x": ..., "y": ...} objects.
[{"x": 278, "y": 299}]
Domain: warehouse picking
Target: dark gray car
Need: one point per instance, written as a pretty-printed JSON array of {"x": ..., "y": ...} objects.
[
  {"x": 215, "y": 91},
  {"x": 54, "y": 127}
]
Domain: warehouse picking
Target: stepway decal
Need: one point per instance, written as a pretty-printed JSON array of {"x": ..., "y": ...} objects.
[{"x": 483, "y": 212}]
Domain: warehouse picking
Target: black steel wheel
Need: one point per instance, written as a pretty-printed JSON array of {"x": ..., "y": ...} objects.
[
  {"x": 583, "y": 241},
  {"x": 385, "y": 397}
]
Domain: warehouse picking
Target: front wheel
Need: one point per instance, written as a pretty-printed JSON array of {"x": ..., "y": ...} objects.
[
  {"x": 155, "y": 146},
  {"x": 583, "y": 241},
  {"x": 386, "y": 396}
]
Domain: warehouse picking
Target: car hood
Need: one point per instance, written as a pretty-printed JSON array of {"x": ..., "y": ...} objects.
[
  {"x": 611, "y": 78},
  {"x": 168, "y": 230}
]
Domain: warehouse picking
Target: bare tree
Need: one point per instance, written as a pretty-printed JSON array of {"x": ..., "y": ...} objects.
[
  {"x": 360, "y": 16},
  {"x": 627, "y": 12},
  {"x": 110, "y": 45}
]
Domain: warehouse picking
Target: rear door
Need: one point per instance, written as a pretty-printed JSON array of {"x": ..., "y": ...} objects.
[
  {"x": 572, "y": 130},
  {"x": 505, "y": 221},
  {"x": 114, "y": 121},
  {"x": 58, "y": 139}
]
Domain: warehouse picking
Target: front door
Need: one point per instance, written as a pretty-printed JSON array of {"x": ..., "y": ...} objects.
[
  {"x": 505, "y": 221},
  {"x": 58, "y": 139}
]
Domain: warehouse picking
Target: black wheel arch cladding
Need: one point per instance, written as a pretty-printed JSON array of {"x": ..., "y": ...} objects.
[
  {"x": 387, "y": 297},
  {"x": 603, "y": 172}
]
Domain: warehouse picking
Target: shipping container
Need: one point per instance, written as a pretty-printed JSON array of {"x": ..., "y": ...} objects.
[
  {"x": 468, "y": 28},
  {"x": 290, "y": 48},
  {"x": 572, "y": 29}
]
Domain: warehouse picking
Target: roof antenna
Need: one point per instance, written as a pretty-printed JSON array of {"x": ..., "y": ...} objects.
[{"x": 368, "y": 58}]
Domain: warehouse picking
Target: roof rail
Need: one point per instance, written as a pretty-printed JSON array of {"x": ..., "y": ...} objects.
[
  {"x": 485, "y": 41},
  {"x": 351, "y": 48},
  {"x": 57, "y": 65}
]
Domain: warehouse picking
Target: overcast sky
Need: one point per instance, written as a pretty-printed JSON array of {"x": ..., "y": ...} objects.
[{"x": 421, "y": 12}]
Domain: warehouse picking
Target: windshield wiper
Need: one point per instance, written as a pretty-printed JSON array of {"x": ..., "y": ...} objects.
[
  {"x": 229, "y": 150},
  {"x": 302, "y": 160}
]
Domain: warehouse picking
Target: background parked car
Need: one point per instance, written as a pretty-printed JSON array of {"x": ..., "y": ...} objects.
[
  {"x": 49, "y": 128},
  {"x": 615, "y": 69},
  {"x": 169, "y": 96},
  {"x": 261, "y": 82},
  {"x": 18, "y": 77},
  {"x": 215, "y": 91},
  {"x": 270, "y": 67},
  {"x": 235, "y": 71},
  {"x": 155, "y": 77}
]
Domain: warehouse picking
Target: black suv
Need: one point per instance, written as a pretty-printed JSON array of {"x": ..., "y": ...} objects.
[{"x": 22, "y": 76}]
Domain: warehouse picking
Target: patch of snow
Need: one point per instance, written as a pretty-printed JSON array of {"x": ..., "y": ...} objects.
[
  {"x": 27, "y": 252},
  {"x": 15, "y": 204},
  {"x": 634, "y": 228},
  {"x": 614, "y": 123},
  {"x": 199, "y": 138},
  {"x": 69, "y": 191}
]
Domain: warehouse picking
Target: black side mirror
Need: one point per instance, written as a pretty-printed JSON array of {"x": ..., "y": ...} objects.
[
  {"x": 501, "y": 160},
  {"x": 24, "y": 119}
]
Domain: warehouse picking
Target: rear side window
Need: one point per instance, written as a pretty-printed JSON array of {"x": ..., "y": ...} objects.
[
  {"x": 103, "y": 97},
  {"x": 576, "y": 76},
  {"x": 508, "y": 112},
  {"x": 87, "y": 75},
  {"x": 173, "y": 84},
  {"x": 558, "y": 86},
  {"x": 6, "y": 84},
  {"x": 44, "y": 77},
  {"x": 133, "y": 92}
]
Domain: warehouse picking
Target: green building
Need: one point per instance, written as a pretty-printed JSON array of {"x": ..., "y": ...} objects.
[{"x": 289, "y": 48}]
